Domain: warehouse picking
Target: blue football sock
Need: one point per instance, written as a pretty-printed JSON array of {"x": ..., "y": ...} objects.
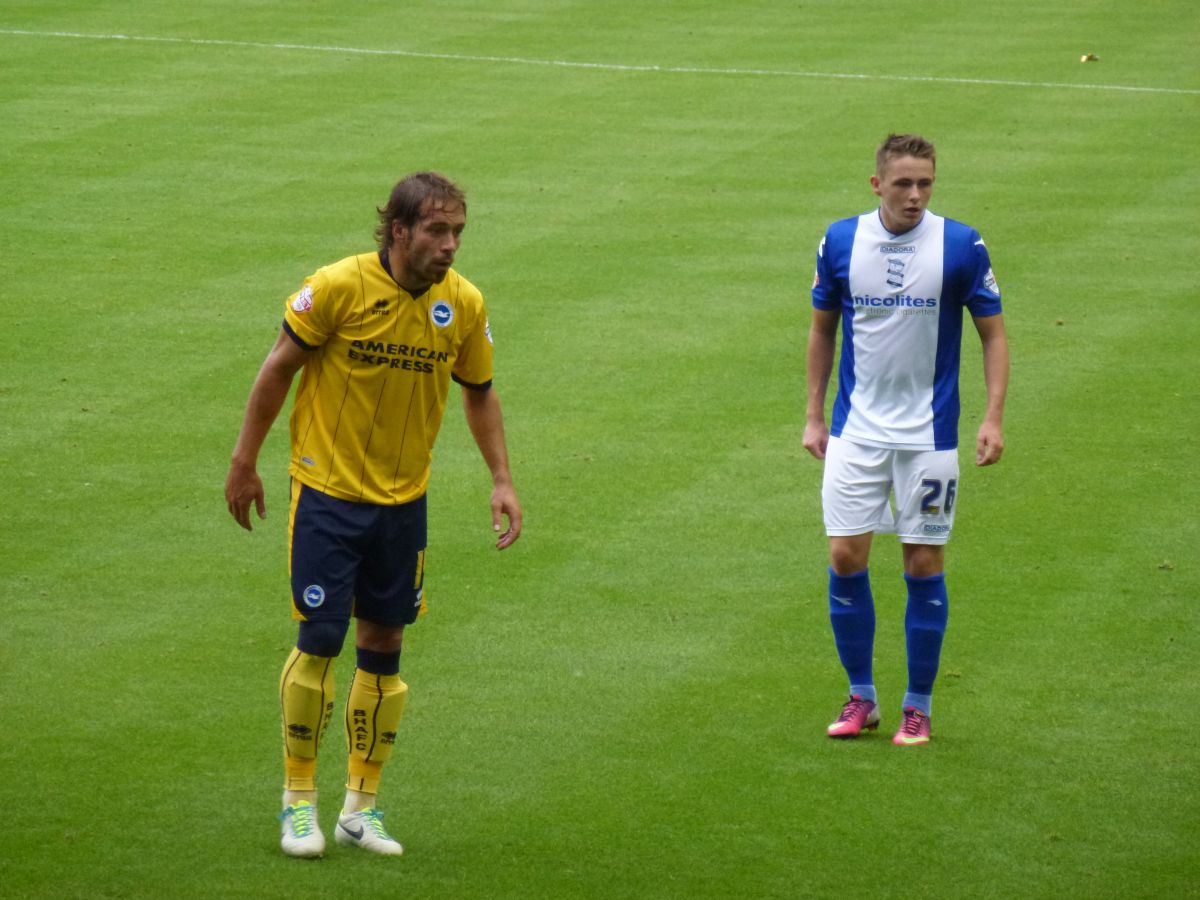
[
  {"x": 923, "y": 702},
  {"x": 924, "y": 626},
  {"x": 866, "y": 691},
  {"x": 852, "y": 614}
]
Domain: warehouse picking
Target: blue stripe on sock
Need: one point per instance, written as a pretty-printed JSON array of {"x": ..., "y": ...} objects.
[
  {"x": 923, "y": 702},
  {"x": 376, "y": 663},
  {"x": 866, "y": 691}
]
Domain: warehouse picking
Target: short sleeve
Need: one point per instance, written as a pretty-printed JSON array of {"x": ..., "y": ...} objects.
[
  {"x": 473, "y": 365},
  {"x": 309, "y": 315},
  {"x": 823, "y": 294},
  {"x": 833, "y": 264},
  {"x": 983, "y": 298}
]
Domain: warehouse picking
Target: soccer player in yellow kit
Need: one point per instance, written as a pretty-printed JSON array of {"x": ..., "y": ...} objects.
[{"x": 378, "y": 337}]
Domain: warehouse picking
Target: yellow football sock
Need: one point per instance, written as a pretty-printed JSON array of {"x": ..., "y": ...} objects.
[
  {"x": 372, "y": 716},
  {"x": 306, "y": 695}
]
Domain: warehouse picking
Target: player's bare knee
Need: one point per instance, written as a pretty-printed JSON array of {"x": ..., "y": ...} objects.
[
  {"x": 849, "y": 555},
  {"x": 924, "y": 560},
  {"x": 379, "y": 638}
]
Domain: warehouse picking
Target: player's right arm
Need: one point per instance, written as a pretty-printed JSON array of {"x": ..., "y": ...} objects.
[
  {"x": 242, "y": 485},
  {"x": 822, "y": 337}
]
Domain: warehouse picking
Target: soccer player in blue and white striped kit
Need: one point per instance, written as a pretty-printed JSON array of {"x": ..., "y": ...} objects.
[{"x": 897, "y": 279}]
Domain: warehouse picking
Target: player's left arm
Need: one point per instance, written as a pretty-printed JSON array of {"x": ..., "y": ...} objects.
[
  {"x": 486, "y": 421},
  {"x": 989, "y": 444}
]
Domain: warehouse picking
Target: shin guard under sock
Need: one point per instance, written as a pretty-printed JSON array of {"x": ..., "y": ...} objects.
[
  {"x": 373, "y": 714},
  {"x": 924, "y": 627},
  {"x": 852, "y": 615},
  {"x": 306, "y": 696}
]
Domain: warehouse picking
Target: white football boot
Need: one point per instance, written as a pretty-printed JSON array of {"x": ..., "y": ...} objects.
[
  {"x": 365, "y": 829},
  {"x": 301, "y": 835}
]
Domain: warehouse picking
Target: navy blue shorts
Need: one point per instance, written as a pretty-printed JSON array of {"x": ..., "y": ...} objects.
[{"x": 356, "y": 559}]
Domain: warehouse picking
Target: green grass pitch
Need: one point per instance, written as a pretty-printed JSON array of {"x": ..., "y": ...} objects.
[{"x": 629, "y": 703}]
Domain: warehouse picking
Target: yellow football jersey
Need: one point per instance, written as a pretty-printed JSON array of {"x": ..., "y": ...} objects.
[{"x": 372, "y": 395}]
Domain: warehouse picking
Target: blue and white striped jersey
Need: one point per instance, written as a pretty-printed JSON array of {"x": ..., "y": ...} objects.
[{"x": 901, "y": 299}]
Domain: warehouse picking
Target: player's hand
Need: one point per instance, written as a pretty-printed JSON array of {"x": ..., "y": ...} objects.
[
  {"x": 504, "y": 503},
  {"x": 816, "y": 438},
  {"x": 243, "y": 487},
  {"x": 989, "y": 445}
]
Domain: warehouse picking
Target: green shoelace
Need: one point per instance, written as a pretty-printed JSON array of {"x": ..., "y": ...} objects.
[{"x": 302, "y": 818}]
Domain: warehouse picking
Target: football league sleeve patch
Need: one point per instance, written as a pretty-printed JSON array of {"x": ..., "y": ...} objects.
[
  {"x": 473, "y": 365},
  {"x": 307, "y": 315},
  {"x": 984, "y": 296}
]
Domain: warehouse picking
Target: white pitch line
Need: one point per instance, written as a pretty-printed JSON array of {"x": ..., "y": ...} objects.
[{"x": 610, "y": 67}]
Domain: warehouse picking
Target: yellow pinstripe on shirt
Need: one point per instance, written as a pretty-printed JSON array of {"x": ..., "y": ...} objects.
[{"x": 373, "y": 393}]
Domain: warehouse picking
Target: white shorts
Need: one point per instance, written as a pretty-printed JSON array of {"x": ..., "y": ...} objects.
[{"x": 858, "y": 480}]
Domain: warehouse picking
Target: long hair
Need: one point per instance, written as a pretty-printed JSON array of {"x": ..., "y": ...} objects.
[{"x": 409, "y": 196}]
